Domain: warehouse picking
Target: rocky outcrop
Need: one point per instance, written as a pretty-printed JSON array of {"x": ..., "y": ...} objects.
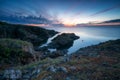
[
  {"x": 16, "y": 52},
  {"x": 35, "y": 35},
  {"x": 17, "y": 74},
  {"x": 63, "y": 41}
]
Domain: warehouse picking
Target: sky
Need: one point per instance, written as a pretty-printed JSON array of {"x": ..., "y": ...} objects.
[{"x": 68, "y": 12}]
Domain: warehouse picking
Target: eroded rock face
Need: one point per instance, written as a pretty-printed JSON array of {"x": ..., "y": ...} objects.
[{"x": 63, "y": 41}]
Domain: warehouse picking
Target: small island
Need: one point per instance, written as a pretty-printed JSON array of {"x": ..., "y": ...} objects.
[{"x": 63, "y": 41}]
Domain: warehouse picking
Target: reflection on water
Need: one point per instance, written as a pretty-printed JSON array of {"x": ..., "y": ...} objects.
[
  {"x": 49, "y": 40},
  {"x": 88, "y": 35}
]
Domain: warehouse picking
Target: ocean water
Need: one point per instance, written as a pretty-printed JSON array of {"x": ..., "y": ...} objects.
[{"x": 88, "y": 35}]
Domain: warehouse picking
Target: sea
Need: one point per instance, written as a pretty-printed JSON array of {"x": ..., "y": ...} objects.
[{"x": 89, "y": 35}]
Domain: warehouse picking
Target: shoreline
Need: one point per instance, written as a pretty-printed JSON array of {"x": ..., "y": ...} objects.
[{"x": 18, "y": 57}]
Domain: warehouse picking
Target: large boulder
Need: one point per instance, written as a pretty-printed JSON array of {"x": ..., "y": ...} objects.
[{"x": 63, "y": 41}]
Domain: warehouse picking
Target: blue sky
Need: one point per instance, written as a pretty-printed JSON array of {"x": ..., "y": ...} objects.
[{"x": 63, "y": 11}]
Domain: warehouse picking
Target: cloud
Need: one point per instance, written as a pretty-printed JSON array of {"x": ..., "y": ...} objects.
[
  {"x": 25, "y": 20},
  {"x": 105, "y": 10}
]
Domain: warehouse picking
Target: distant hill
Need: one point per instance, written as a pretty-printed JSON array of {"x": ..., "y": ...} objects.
[{"x": 112, "y": 21}]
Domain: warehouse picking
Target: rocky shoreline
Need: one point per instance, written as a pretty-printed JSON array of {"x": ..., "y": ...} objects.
[
  {"x": 20, "y": 60},
  {"x": 32, "y": 34}
]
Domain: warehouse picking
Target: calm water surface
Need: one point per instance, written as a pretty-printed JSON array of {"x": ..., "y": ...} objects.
[{"x": 88, "y": 35}]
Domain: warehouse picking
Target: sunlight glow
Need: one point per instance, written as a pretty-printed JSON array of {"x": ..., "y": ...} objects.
[{"x": 73, "y": 21}]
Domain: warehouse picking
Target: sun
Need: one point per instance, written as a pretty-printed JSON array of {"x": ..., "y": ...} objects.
[{"x": 69, "y": 25}]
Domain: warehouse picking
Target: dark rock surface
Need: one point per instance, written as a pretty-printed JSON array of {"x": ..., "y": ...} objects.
[{"x": 63, "y": 41}]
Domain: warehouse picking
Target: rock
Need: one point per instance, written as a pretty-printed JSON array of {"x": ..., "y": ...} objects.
[
  {"x": 63, "y": 41},
  {"x": 53, "y": 54},
  {"x": 62, "y": 69},
  {"x": 57, "y": 69},
  {"x": 48, "y": 78},
  {"x": 57, "y": 53},
  {"x": 51, "y": 68},
  {"x": 68, "y": 78},
  {"x": 45, "y": 48},
  {"x": 73, "y": 68},
  {"x": 31, "y": 73},
  {"x": 66, "y": 58},
  {"x": 12, "y": 74}
]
